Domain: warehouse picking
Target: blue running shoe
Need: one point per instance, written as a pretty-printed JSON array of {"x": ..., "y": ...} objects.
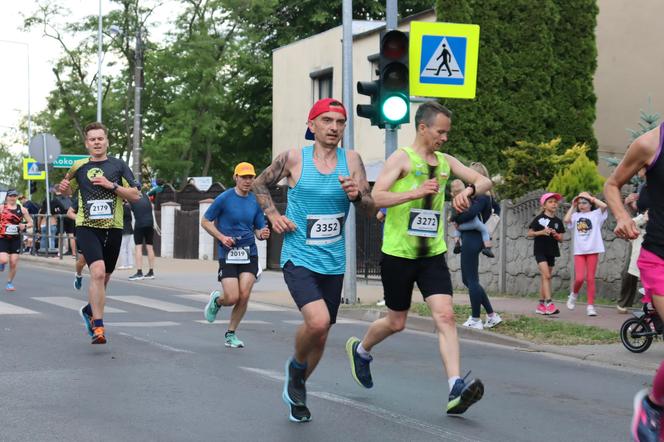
[
  {"x": 298, "y": 413},
  {"x": 646, "y": 419},
  {"x": 359, "y": 367},
  {"x": 295, "y": 392},
  {"x": 10, "y": 287},
  {"x": 78, "y": 281},
  {"x": 87, "y": 320},
  {"x": 463, "y": 395},
  {"x": 211, "y": 309}
]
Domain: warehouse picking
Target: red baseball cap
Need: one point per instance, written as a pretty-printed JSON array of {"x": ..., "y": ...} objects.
[{"x": 320, "y": 107}]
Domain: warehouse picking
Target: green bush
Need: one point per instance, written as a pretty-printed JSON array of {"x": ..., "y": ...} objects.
[{"x": 580, "y": 176}]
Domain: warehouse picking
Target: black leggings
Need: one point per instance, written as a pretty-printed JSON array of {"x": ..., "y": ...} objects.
[{"x": 470, "y": 261}]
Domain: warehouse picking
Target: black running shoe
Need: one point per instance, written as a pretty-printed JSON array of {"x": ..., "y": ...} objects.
[
  {"x": 359, "y": 367},
  {"x": 299, "y": 413},
  {"x": 488, "y": 252},
  {"x": 295, "y": 392},
  {"x": 149, "y": 275},
  {"x": 463, "y": 395}
]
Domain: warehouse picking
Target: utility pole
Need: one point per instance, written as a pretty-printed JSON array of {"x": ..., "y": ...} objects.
[
  {"x": 391, "y": 137},
  {"x": 138, "y": 87}
]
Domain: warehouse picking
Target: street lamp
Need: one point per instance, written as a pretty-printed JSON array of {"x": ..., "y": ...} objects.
[{"x": 99, "y": 58}]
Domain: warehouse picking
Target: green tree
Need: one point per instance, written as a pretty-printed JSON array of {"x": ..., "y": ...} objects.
[
  {"x": 580, "y": 176},
  {"x": 535, "y": 75}
]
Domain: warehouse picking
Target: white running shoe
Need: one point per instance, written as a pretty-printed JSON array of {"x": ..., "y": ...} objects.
[
  {"x": 492, "y": 321},
  {"x": 381, "y": 303},
  {"x": 475, "y": 323},
  {"x": 571, "y": 301},
  {"x": 590, "y": 310}
]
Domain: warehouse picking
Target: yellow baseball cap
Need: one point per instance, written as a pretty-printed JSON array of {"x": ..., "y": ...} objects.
[{"x": 244, "y": 169}]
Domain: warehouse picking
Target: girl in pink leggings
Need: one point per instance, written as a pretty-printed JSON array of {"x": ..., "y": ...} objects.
[{"x": 585, "y": 218}]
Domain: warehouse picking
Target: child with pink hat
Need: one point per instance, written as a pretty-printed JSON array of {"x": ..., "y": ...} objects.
[{"x": 547, "y": 229}]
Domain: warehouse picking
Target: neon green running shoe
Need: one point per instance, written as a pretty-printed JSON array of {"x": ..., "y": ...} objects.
[
  {"x": 232, "y": 341},
  {"x": 211, "y": 309}
]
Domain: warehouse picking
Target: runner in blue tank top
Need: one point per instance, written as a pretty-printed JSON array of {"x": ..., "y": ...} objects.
[{"x": 323, "y": 180}]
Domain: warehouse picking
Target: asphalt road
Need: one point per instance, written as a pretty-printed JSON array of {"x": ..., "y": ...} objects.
[{"x": 165, "y": 375}]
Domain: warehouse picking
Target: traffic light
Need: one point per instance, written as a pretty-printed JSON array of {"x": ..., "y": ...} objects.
[
  {"x": 390, "y": 95},
  {"x": 394, "y": 91},
  {"x": 370, "y": 111}
]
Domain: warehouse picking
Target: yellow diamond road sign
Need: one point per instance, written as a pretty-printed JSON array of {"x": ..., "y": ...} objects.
[
  {"x": 443, "y": 59},
  {"x": 32, "y": 171}
]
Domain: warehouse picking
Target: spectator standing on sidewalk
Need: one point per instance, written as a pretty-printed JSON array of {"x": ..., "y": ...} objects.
[
  {"x": 585, "y": 218},
  {"x": 547, "y": 229},
  {"x": 126, "y": 258},
  {"x": 145, "y": 226}
]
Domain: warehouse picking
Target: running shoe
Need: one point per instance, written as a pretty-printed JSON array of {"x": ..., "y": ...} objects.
[
  {"x": 571, "y": 301},
  {"x": 488, "y": 252},
  {"x": 475, "y": 323},
  {"x": 463, "y": 395},
  {"x": 622, "y": 310},
  {"x": 381, "y": 303},
  {"x": 233, "y": 342},
  {"x": 2, "y": 267},
  {"x": 211, "y": 309},
  {"x": 541, "y": 309},
  {"x": 136, "y": 276},
  {"x": 298, "y": 413},
  {"x": 646, "y": 420},
  {"x": 87, "y": 320},
  {"x": 551, "y": 309},
  {"x": 590, "y": 310},
  {"x": 10, "y": 287},
  {"x": 359, "y": 367},
  {"x": 78, "y": 281},
  {"x": 295, "y": 392},
  {"x": 98, "y": 336},
  {"x": 149, "y": 275},
  {"x": 492, "y": 321}
]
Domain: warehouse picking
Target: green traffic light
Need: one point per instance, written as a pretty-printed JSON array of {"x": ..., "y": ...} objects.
[{"x": 395, "y": 108}]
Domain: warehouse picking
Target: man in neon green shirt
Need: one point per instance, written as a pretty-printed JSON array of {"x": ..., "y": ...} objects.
[{"x": 412, "y": 186}]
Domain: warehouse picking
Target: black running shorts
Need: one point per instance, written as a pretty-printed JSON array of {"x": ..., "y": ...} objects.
[
  {"x": 99, "y": 244},
  {"x": 400, "y": 274},
  {"x": 10, "y": 245},
  {"x": 550, "y": 260},
  {"x": 234, "y": 270},
  {"x": 306, "y": 286},
  {"x": 144, "y": 234}
]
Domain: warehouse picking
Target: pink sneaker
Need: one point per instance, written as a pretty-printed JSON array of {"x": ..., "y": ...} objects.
[
  {"x": 541, "y": 309},
  {"x": 551, "y": 309}
]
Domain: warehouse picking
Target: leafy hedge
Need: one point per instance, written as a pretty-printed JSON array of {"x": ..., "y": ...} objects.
[{"x": 535, "y": 78}]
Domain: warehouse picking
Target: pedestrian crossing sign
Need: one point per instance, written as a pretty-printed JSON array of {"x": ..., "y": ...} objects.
[
  {"x": 443, "y": 59},
  {"x": 32, "y": 170}
]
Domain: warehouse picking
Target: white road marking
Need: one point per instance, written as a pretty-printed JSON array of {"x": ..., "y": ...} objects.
[
  {"x": 226, "y": 321},
  {"x": 10, "y": 309},
  {"x": 142, "y": 324},
  {"x": 253, "y": 306},
  {"x": 382, "y": 413},
  {"x": 156, "y": 344},
  {"x": 156, "y": 304},
  {"x": 72, "y": 303}
]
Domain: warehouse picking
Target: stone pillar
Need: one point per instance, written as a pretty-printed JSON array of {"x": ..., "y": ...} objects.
[
  {"x": 168, "y": 228},
  {"x": 205, "y": 240}
]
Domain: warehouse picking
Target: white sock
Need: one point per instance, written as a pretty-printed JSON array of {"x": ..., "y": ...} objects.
[
  {"x": 362, "y": 352},
  {"x": 451, "y": 381},
  {"x": 576, "y": 295},
  {"x": 491, "y": 315}
]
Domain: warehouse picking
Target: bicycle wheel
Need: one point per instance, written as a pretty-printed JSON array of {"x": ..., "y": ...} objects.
[{"x": 633, "y": 335}]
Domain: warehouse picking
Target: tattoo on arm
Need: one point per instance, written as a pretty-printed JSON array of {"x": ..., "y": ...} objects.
[{"x": 274, "y": 173}]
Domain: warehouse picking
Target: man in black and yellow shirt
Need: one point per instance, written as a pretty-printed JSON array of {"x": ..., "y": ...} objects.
[{"x": 102, "y": 182}]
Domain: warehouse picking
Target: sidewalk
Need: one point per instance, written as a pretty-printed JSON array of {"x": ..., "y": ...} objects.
[{"x": 201, "y": 276}]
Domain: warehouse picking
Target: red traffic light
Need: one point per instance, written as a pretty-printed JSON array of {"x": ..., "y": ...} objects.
[{"x": 394, "y": 45}]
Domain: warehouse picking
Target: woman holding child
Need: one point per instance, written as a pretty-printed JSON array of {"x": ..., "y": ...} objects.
[{"x": 472, "y": 245}]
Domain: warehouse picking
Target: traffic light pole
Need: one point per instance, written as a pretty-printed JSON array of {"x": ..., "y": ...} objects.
[
  {"x": 350, "y": 278},
  {"x": 391, "y": 137}
]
